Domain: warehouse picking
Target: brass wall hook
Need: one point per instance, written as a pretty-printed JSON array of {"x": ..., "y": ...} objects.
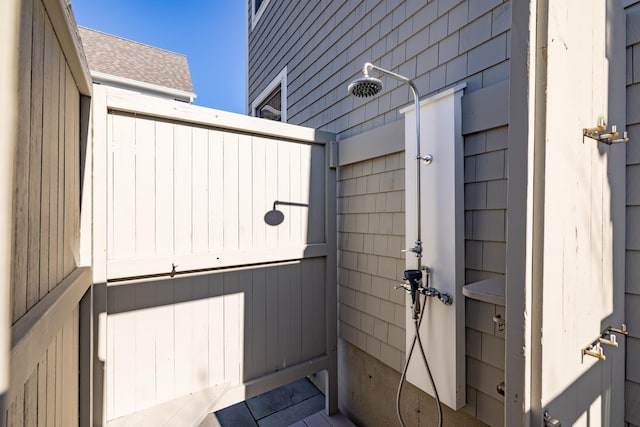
[{"x": 609, "y": 138}]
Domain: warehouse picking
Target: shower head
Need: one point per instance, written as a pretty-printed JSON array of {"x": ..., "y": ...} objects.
[{"x": 365, "y": 86}]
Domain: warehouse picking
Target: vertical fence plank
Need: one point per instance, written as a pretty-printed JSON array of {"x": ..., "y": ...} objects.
[
  {"x": 71, "y": 113},
  {"x": 124, "y": 196},
  {"x": 305, "y": 190},
  {"x": 230, "y": 192},
  {"x": 233, "y": 331},
  {"x": 183, "y": 147},
  {"x": 317, "y": 315},
  {"x": 51, "y": 384},
  {"x": 284, "y": 191},
  {"x": 307, "y": 302},
  {"x": 284, "y": 309},
  {"x": 145, "y": 218},
  {"x": 15, "y": 414},
  {"x": 164, "y": 340},
  {"x": 146, "y": 317},
  {"x": 35, "y": 155},
  {"x": 199, "y": 189},
  {"x": 21, "y": 189},
  {"x": 73, "y": 354},
  {"x": 259, "y": 323},
  {"x": 53, "y": 70},
  {"x": 258, "y": 193},
  {"x": 59, "y": 397},
  {"x": 110, "y": 165},
  {"x": 216, "y": 330},
  {"x": 271, "y": 185},
  {"x": 123, "y": 364},
  {"x": 67, "y": 374},
  {"x": 272, "y": 360},
  {"x": 48, "y": 111},
  {"x": 245, "y": 200},
  {"x": 31, "y": 400},
  {"x": 200, "y": 201},
  {"x": 110, "y": 377},
  {"x": 296, "y": 194},
  {"x": 75, "y": 173},
  {"x": 164, "y": 188},
  {"x": 42, "y": 391},
  {"x": 183, "y": 337},
  {"x": 62, "y": 96},
  {"x": 295, "y": 314},
  {"x": 216, "y": 187},
  {"x": 200, "y": 331},
  {"x": 245, "y": 297}
]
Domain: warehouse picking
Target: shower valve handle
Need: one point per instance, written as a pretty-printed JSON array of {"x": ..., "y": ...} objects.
[
  {"x": 404, "y": 286},
  {"x": 416, "y": 249}
]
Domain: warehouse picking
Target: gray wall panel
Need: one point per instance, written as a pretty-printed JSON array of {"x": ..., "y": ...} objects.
[{"x": 632, "y": 299}]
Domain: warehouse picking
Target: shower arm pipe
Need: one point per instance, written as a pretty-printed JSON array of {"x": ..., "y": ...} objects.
[
  {"x": 278, "y": 202},
  {"x": 416, "y": 97}
]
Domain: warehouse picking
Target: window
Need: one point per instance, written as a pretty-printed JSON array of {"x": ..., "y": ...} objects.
[
  {"x": 271, "y": 108},
  {"x": 272, "y": 102},
  {"x": 258, "y": 7}
]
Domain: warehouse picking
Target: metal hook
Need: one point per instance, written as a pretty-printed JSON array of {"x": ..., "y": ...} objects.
[{"x": 173, "y": 270}]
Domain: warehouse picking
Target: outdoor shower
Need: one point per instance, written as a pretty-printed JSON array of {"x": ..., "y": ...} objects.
[{"x": 367, "y": 86}]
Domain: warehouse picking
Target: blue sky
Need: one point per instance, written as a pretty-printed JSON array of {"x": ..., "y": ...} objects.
[{"x": 211, "y": 33}]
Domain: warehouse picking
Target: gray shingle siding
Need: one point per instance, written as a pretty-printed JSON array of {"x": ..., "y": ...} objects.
[
  {"x": 439, "y": 44},
  {"x": 324, "y": 44},
  {"x": 632, "y": 299},
  {"x": 371, "y": 235}
]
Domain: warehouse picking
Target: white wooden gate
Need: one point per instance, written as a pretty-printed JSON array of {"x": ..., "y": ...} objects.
[{"x": 202, "y": 293}]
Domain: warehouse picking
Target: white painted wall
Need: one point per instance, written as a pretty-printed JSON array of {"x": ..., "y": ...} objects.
[
  {"x": 442, "y": 228},
  {"x": 580, "y": 288}
]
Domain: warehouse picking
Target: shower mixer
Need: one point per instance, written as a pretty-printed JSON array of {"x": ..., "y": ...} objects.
[{"x": 413, "y": 285}]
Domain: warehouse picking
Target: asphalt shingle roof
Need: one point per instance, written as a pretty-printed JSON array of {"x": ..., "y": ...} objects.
[{"x": 120, "y": 57}]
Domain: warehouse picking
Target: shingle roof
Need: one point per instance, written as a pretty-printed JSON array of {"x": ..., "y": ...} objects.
[{"x": 120, "y": 57}]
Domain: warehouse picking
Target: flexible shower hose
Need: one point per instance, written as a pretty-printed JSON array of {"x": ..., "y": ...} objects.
[{"x": 416, "y": 337}]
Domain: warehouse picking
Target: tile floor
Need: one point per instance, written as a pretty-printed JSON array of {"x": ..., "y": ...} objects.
[{"x": 284, "y": 406}]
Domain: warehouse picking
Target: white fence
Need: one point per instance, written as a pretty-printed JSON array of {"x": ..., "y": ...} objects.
[{"x": 202, "y": 293}]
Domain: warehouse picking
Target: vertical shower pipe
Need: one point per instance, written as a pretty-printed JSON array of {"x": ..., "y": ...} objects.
[
  {"x": 418, "y": 246},
  {"x": 370, "y": 87}
]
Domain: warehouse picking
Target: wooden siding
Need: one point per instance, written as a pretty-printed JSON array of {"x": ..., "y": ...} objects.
[
  {"x": 45, "y": 333},
  {"x": 47, "y": 173},
  {"x": 250, "y": 304},
  {"x": 50, "y": 394},
  {"x": 196, "y": 197},
  {"x": 169, "y": 338}
]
